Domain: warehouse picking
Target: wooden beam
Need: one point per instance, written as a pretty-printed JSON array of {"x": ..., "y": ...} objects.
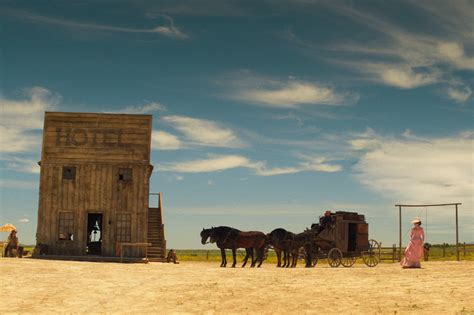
[{"x": 431, "y": 205}]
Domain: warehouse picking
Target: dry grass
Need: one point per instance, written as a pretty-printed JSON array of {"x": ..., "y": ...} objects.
[{"x": 37, "y": 286}]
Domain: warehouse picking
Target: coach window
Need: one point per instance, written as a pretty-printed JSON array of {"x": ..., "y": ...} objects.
[
  {"x": 69, "y": 172},
  {"x": 125, "y": 174},
  {"x": 66, "y": 226}
]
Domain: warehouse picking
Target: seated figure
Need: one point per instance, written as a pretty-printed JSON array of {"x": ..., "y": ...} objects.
[
  {"x": 172, "y": 257},
  {"x": 11, "y": 250}
]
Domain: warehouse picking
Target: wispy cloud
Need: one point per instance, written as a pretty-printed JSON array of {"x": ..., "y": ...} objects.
[
  {"x": 218, "y": 163},
  {"x": 417, "y": 170},
  {"x": 168, "y": 30},
  {"x": 397, "y": 75},
  {"x": 20, "y": 119},
  {"x": 290, "y": 93},
  {"x": 162, "y": 140},
  {"x": 143, "y": 109},
  {"x": 459, "y": 94},
  {"x": 204, "y": 132},
  {"x": 407, "y": 58},
  {"x": 19, "y": 164}
]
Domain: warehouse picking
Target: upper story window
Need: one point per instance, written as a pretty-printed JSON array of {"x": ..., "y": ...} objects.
[
  {"x": 69, "y": 172},
  {"x": 125, "y": 174}
]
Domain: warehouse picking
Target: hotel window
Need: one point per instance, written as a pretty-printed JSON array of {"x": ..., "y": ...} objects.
[
  {"x": 69, "y": 172},
  {"x": 125, "y": 174},
  {"x": 66, "y": 226},
  {"x": 124, "y": 227}
]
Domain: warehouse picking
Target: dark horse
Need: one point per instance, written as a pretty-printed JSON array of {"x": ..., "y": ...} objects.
[
  {"x": 229, "y": 238},
  {"x": 281, "y": 239},
  {"x": 305, "y": 240}
]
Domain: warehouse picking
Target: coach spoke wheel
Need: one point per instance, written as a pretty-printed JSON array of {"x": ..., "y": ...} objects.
[
  {"x": 334, "y": 257},
  {"x": 372, "y": 256},
  {"x": 348, "y": 261}
]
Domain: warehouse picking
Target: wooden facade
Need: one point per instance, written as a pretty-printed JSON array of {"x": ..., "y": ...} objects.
[{"x": 94, "y": 183}]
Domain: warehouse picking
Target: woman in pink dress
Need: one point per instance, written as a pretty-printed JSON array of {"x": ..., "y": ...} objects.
[{"x": 414, "y": 250}]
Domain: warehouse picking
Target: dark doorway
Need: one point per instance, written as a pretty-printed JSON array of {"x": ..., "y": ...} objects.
[
  {"x": 352, "y": 237},
  {"x": 94, "y": 234}
]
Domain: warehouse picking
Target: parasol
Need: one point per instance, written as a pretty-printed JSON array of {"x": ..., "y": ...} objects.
[{"x": 7, "y": 227}]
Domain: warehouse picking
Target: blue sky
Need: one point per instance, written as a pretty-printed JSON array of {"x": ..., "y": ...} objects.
[{"x": 265, "y": 114}]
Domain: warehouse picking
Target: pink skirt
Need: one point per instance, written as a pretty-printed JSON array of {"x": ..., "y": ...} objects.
[{"x": 413, "y": 254}]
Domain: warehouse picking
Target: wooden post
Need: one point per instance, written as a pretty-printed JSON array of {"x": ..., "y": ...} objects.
[
  {"x": 400, "y": 232},
  {"x": 394, "y": 252},
  {"x": 457, "y": 234}
]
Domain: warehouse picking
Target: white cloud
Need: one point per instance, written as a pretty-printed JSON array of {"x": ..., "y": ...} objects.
[
  {"x": 204, "y": 132},
  {"x": 407, "y": 58},
  {"x": 459, "y": 94},
  {"x": 24, "y": 220},
  {"x": 405, "y": 78},
  {"x": 417, "y": 170},
  {"x": 144, "y": 109},
  {"x": 161, "y": 140},
  {"x": 247, "y": 86},
  {"x": 20, "y": 164},
  {"x": 292, "y": 94},
  {"x": 212, "y": 164},
  {"x": 169, "y": 30},
  {"x": 218, "y": 163},
  {"x": 20, "y": 118}
]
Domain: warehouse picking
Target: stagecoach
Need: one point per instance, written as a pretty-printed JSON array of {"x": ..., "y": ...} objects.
[{"x": 343, "y": 239}]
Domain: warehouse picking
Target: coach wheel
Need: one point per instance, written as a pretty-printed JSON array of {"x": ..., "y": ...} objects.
[
  {"x": 334, "y": 257},
  {"x": 348, "y": 261},
  {"x": 372, "y": 256}
]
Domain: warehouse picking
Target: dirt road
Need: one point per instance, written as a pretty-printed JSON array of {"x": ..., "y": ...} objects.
[{"x": 39, "y": 286}]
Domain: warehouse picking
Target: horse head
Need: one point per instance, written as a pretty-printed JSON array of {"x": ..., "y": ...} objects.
[{"x": 205, "y": 234}]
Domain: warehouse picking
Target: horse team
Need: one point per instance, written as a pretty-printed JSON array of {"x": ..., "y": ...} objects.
[{"x": 282, "y": 241}]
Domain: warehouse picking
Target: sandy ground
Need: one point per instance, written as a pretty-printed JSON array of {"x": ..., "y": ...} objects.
[{"x": 39, "y": 286}]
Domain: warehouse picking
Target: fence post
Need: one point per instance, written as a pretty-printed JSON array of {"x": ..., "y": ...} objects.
[
  {"x": 444, "y": 250},
  {"x": 394, "y": 253},
  {"x": 464, "y": 247}
]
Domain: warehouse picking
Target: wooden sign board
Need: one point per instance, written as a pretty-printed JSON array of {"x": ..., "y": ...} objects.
[{"x": 95, "y": 137}]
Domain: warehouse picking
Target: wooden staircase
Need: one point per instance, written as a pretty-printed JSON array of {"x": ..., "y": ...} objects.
[{"x": 156, "y": 233}]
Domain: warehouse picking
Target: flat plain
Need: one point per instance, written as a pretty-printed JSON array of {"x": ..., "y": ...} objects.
[{"x": 45, "y": 286}]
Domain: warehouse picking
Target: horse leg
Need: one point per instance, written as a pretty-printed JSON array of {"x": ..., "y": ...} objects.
[
  {"x": 287, "y": 259},
  {"x": 246, "y": 258},
  {"x": 234, "y": 254},
  {"x": 254, "y": 259},
  {"x": 295, "y": 260},
  {"x": 223, "y": 258},
  {"x": 278, "y": 254},
  {"x": 260, "y": 254},
  {"x": 309, "y": 260}
]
